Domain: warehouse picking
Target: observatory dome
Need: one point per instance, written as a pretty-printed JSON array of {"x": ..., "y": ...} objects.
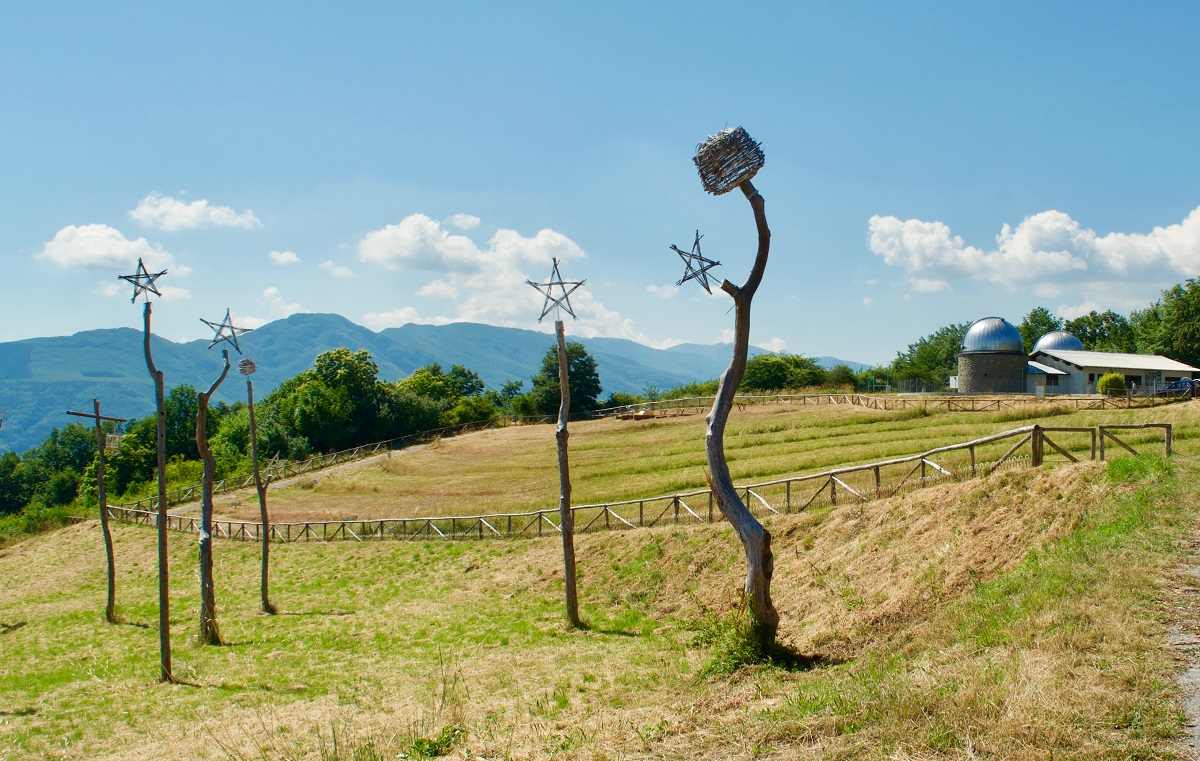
[
  {"x": 1060, "y": 340},
  {"x": 993, "y": 335}
]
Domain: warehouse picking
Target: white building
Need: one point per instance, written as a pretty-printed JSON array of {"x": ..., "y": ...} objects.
[
  {"x": 1065, "y": 371},
  {"x": 992, "y": 360}
]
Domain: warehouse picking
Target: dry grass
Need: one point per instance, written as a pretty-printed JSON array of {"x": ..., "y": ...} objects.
[
  {"x": 1016, "y": 616},
  {"x": 516, "y": 469}
]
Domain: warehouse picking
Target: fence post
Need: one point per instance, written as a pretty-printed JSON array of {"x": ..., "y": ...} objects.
[
  {"x": 1100, "y": 429},
  {"x": 876, "y": 471},
  {"x": 1168, "y": 439},
  {"x": 1036, "y": 446},
  {"x": 832, "y": 491},
  {"x": 675, "y": 503},
  {"x": 972, "y": 449},
  {"x": 787, "y": 502}
]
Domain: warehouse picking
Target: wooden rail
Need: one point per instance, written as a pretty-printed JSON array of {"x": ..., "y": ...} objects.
[
  {"x": 854, "y": 483},
  {"x": 932, "y": 402}
]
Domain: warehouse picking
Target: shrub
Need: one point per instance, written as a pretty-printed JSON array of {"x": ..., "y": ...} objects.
[{"x": 1111, "y": 384}]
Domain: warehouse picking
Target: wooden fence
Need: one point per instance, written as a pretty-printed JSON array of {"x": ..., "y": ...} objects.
[
  {"x": 931, "y": 402},
  {"x": 288, "y": 469},
  {"x": 1030, "y": 445}
]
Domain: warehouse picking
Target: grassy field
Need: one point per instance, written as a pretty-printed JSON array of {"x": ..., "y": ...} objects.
[
  {"x": 1021, "y": 615},
  {"x": 516, "y": 469}
]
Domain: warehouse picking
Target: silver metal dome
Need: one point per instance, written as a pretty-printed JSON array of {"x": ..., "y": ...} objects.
[
  {"x": 1058, "y": 339},
  {"x": 994, "y": 335}
]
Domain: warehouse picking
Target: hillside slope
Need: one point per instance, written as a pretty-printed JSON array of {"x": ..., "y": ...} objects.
[{"x": 1016, "y": 616}]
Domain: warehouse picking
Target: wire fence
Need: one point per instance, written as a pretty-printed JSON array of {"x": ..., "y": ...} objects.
[{"x": 851, "y": 484}]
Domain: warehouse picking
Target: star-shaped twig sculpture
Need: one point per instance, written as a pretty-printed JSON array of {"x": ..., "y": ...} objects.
[
  {"x": 143, "y": 282},
  {"x": 697, "y": 266},
  {"x": 547, "y": 289},
  {"x": 225, "y": 332}
]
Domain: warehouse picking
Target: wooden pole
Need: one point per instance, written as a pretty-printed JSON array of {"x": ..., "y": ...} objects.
[
  {"x": 209, "y": 633},
  {"x": 164, "y": 589},
  {"x": 110, "y": 607},
  {"x": 261, "y": 487},
  {"x": 566, "y": 516},
  {"x": 756, "y": 540}
]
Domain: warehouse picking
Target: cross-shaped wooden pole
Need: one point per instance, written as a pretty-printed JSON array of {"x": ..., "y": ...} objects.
[{"x": 110, "y": 612}]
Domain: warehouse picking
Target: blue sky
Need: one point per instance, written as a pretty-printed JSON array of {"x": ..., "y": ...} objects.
[{"x": 396, "y": 162}]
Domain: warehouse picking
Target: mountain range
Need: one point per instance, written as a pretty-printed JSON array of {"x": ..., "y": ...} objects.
[{"x": 41, "y": 378}]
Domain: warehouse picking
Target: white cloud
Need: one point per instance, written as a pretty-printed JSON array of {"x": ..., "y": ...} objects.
[
  {"x": 486, "y": 283},
  {"x": 924, "y": 285},
  {"x": 775, "y": 344},
  {"x": 166, "y": 213},
  {"x": 1045, "y": 250},
  {"x": 277, "y": 308},
  {"x": 438, "y": 289},
  {"x": 662, "y": 291},
  {"x": 463, "y": 221},
  {"x": 867, "y": 301},
  {"x": 103, "y": 247},
  {"x": 124, "y": 291},
  {"x": 397, "y": 317},
  {"x": 335, "y": 269},
  {"x": 283, "y": 257}
]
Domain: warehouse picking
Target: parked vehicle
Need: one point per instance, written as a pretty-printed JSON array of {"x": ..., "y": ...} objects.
[{"x": 1181, "y": 387}]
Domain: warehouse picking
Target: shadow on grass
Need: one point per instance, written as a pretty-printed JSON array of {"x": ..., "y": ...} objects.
[
  {"x": 10, "y": 628},
  {"x": 137, "y": 624},
  {"x": 586, "y": 627},
  {"x": 784, "y": 657},
  {"x": 20, "y": 712},
  {"x": 316, "y": 613}
]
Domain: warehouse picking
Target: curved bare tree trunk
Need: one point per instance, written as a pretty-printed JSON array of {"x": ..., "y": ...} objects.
[
  {"x": 209, "y": 634},
  {"x": 264, "y": 520},
  {"x": 110, "y": 607},
  {"x": 565, "y": 515},
  {"x": 756, "y": 540},
  {"x": 164, "y": 596}
]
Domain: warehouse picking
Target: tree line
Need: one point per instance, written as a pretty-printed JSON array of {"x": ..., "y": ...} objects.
[
  {"x": 338, "y": 403},
  {"x": 1169, "y": 327}
]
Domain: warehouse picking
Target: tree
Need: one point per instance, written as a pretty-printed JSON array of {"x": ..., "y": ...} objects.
[
  {"x": 1179, "y": 337},
  {"x": 755, "y": 539},
  {"x": 179, "y": 410},
  {"x": 775, "y": 372},
  {"x": 1103, "y": 331},
  {"x": 584, "y": 384},
  {"x": 934, "y": 358},
  {"x": 841, "y": 376},
  {"x": 1036, "y": 324},
  {"x": 1147, "y": 327},
  {"x": 14, "y": 491},
  {"x": 353, "y": 377}
]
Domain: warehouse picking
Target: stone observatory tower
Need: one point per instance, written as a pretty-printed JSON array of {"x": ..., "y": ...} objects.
[{"x": 992, "y": 359}]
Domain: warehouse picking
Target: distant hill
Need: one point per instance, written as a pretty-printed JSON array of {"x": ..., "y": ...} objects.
[{"x": 41, "y": 378}]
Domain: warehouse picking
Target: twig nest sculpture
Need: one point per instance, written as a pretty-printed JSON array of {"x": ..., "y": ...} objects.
[{"x": 727, "y": 159}]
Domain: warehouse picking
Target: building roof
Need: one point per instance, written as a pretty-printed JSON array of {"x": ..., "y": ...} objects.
[
  {"x": 993, "y": 335},
  {"x": 1114, "y": 361},
  {"x": 1038, "y": 368},
  {"x": 1059, "y": 339}
]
